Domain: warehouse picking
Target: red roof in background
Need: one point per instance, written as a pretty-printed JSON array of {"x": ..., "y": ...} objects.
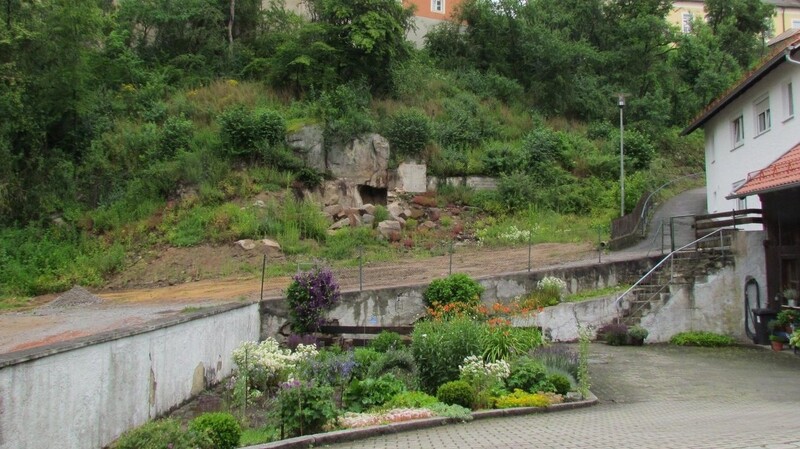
[{"x": 782, "y": 174}]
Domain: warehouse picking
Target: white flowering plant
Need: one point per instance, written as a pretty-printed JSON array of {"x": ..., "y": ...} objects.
[
  {"x": 266, "y": 364},
  {"x": 486, "y": 377},
  {"x": 511, "y": 234}
]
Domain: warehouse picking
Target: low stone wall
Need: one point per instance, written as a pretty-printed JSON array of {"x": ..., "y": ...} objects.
[
  {"x": 84, "y": 394},
  {"x": 403, "y": 305}
]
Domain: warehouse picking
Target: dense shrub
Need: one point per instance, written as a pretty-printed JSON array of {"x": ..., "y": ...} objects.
[
  {"x": 500, "y": 340},
  {"x": 699, "y": 338},
  {"x": 454, "y": 288},
  {"x": 615, "y": 334},
  {"x": 159, "y": 435},
  {"x": 560, "y": 383},
  {"x": 451, "y": 411},
  {"x": 386, "y": 341},
  {"x": 398, "y": 362},
  {"x": 364, "y": 358},
  {"x": 221, "y": 428},
  {"x": 248, "y": 134},
  {"x": 176, "y": 135},
  {"x": 345, "y": 112},
  {"x": 501, "y": 158},
  {"x": 409, "y": 131},
  {"x": 304, "y": 408},
  {"x": 456, "y": 392},
  {"x": 529, "y": 375},
  {"x": 521, "y": 398},
  {"x": 365, "y": 394},
  {"x": 439, "y": 347},
  {"x": 310, "y": 295},
  {"x": 411, "y": 399}
]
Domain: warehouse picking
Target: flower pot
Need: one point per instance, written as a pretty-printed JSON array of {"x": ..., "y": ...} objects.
[{"x": 777, "y": 346}]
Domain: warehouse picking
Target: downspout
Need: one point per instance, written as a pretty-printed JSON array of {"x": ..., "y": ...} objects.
[{"x": 788, "y": 54}]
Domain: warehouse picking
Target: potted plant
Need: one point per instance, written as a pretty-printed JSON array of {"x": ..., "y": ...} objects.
[
  {"x": 636, "y": 335},
  {"x": 794, "y": 340},
  {"x": 791, "y": 297},
  {"x": 777, "y": 341},
  {"x": 788, "y": 319}
]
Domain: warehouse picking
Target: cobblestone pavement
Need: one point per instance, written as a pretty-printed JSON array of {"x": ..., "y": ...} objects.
[{"x": 650, "y": 397}]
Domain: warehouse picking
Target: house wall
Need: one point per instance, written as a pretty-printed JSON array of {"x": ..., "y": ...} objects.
[
  {"x": 85, "y": 394},
  {"x": 726, "y": 164},
  {"x": 785, "y": 16}
]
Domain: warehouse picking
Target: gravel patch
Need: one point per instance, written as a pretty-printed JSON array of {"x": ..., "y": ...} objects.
[{"x": 75, "y": 297}]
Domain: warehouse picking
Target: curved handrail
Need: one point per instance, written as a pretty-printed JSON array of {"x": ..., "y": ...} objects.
[
  {"x": 647, "y": 201},
  {"x": 667, "y": 257}
]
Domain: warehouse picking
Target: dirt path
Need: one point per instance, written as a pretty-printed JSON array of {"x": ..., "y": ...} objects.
[{"x": 134, "y": 307}]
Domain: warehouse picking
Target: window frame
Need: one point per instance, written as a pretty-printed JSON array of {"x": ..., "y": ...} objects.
[
  {"x": 787, "y": 96},
  {"x": 434, "y": 3},
  {"x": 762, "y": 115},
  {"x": 737, "y": 131},
  {"x": 686, "y": 25}
]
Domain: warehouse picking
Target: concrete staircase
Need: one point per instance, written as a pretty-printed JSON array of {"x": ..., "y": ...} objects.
[{"x": 679, "y": 268}]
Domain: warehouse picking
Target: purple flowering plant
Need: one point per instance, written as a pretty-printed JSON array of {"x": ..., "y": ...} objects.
[{"x": 311, "y": 294}]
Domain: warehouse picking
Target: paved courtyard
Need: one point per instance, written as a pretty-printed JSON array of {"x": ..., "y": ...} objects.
[{"x": 650, "y": 397}]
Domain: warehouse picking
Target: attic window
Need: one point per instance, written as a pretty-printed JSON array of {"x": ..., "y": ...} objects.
[{"x": 686, "y": 22}]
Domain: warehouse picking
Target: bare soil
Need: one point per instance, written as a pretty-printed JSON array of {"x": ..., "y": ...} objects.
[{"x": 168, "y": 283}]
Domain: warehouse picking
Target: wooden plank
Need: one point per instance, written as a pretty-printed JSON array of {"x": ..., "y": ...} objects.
[{"x": 402, "y": 330}]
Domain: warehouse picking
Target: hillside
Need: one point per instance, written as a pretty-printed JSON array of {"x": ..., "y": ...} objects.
[{"x": 137, "y": 133}]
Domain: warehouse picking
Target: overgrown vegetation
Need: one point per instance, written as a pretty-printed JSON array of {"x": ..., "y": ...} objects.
[
  {"x": 133, "y": 124},
  {"x": 701, "y": 338}
]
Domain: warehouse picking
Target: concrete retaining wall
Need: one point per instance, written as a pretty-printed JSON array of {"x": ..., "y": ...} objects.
[
  {"x": 83, "y": 395},
  {"x": 404, "y": 305}
]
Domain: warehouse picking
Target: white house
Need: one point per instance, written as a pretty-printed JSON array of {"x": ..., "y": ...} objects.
[
  {"x": 750, "y": 126},
  {"x": 753, "y": 157}
]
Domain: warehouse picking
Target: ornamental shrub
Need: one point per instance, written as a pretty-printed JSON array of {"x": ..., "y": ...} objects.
[
  {"x": 615, "y": 334},
  {"x": 310, "y": 295},
  {"x": 221, "y": 428},
  {"x": 304, "y": 408},
  {"x": 451, "y": 411},
  {"x": 698, "y": 338},
  {"x": 250, "y": 133},
  {"x": 500, "y": 340},
  {"x": 560, "y": 383},
  {"x": 386, "y": 341},
  {"x": 558, "y": 358},
  {"x": 521, "y": 398},
  {"x": 364, "y": 358},
  {"x": 454, "y": 288},
  {"x": 458, "y": 392},
  {"x": 158, "y": 435},
  {"x": 529, "y": 375},
  {"x": 399, "y": 363},
  {"x": 365, "y": 394},
  {"x": 440, "y": 346},
  {"x": 411, "y": 399},
  {"x": 266, "y": 364}
]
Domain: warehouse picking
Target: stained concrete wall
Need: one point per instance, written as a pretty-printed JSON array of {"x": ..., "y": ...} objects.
[
  {"x": 716, "y": 302},
  {"x": 84, "y": 394},
  {"x": 403, "y": 305}
]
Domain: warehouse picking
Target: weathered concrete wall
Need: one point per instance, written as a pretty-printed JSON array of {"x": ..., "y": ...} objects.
[
  {"x": 714, "y": 303},
  {"x": 84, "y": 394},
  {"x": 475, "y": 182},
  {"x": 399, "y": 306},
  {"x": 409, "y": 177},
  {"x": 562, "y": 322}
]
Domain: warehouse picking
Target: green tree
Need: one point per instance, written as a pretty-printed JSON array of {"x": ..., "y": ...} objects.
[{"x": 740, "y": 26}]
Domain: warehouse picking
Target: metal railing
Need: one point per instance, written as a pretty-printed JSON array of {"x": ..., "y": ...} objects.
[
  {"x": 647, "y": 205},
  {"x": 663, "y": 261}
]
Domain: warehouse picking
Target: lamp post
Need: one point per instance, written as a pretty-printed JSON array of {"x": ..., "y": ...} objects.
[{"x": 621, "y": 103}]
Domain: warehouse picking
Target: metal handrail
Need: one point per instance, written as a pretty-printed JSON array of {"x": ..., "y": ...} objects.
[
  {"x": 667, "y": 257},
  {"x": 642, "y": 218}
]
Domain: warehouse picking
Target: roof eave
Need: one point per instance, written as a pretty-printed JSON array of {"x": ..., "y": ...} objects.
[{"x": 791, "y": 185}]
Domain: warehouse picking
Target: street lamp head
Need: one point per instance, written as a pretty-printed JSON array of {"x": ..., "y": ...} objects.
[{"x": 621, "y": 101}]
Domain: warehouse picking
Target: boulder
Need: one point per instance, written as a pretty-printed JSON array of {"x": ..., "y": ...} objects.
[
  {"x": 367, "y": 219},
  {"x": 428, "y": 225},
  {"x": 434, "y": 213},
  {"x": 395, "y": 210},
  {"x": 271, "y": 244},
  {"x": 259, "y": 203},
  {"x": 340, "y": 224},
  {"x": 354, "y": 219},
  {"x": 308, "y": 144},
  {"x": 416, "y": 213},
  {"x": 333, "y": 210},
  {"x": 245, "y": 244},
  {"x": 368, "y": 209},
  {"x": 386, "y": 228},
  {"x": 363, "y": 160}
]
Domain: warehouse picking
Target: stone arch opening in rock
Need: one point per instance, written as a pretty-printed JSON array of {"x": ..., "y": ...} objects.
[{"x": 372, "y": 195}]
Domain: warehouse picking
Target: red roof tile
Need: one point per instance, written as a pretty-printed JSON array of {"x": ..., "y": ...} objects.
[{"x": 782, "y": 174}]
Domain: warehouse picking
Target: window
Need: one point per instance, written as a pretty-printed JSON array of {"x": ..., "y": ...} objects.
[
  {"x": 741, "y": 203},
  {"x": 437, "y": 5},
  {"x": 788, "y": 101},
  {"x": 763, "y": 120},
  {"x": 686, "y": 22},
  {"x": 712, "y": 150},
  {"x": 737, "y": 130},
  {"x": 795, "y": 23}
]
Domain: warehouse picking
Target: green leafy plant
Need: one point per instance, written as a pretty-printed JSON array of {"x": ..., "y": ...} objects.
[
  {"x": 701, "y": 338},
  {"x": 440, "y": 346},
  {"x": 787, "y": 317},
  {"x": 637, "y": 333},
  {"x": 386, "y": 341},
  {"x": 304, "y": 408},
  {"x": 794, "y": 339},
  {"x": 615, "y": 334},
  {"x": 364, "y": 358},
  {"x": 560, "y": 382},
  {"x": 221, "y": 428},
  {"x": 500, "y": 340},
  {"x": 451, "y": 411},
  {"x": 365, "y": 394},
  {"x": 411, "y": 399},
  {"x": 159, "y": 435},
  {"x": 457, "y": 287},
  {"x": 456, "y": 392},
  {"x": 528, "y": 375},
  {"x": 409, "y": 131},
  {"x": 398, "y": 362}
]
